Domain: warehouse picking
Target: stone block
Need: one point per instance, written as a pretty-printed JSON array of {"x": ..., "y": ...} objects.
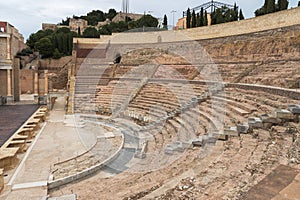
[
  {"x": 267, "y": 125},
  {"x": 223, "y": 137},
  {"x": 295, "y": 109},
  {"x": 231, "y": 131},
  {"x": 209, "y": 139},
  {"x": 43, "y": 100},
  {"x": 177, "y": 146},
  {"x": 219, "y": 135},
  {"x": 284, "y": 114},
  {"x": 255, "y": 122},
  {"x": 242, "y": 128},
  {"x": 198, "y": 142},
  {"x": 171, "y": 148},
  {"x": 267, "y": 118}
]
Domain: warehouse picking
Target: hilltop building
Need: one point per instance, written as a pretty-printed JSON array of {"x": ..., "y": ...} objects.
[
  {"x": 78, "y": 25},
  {"x": 74, "y": 25},
  {"x": 122, "y": 17}
]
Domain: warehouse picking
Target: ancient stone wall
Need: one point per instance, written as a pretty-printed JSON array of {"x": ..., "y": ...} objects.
[
  {"x": 3, "y": 82},
  {"x": 53, "y": 64},
  {"x": 293, "y": 94},
  {"x": 78, "y": 23},
  {"x": 3, "y": 48},
  {"x": 266, "y": 22},
  {"x": 27, "y": 81}
]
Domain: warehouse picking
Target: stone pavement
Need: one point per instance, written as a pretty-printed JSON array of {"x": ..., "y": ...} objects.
[
  {"x": 282, "y": 183},
  {"x": 55, "y": 142},
  {"x": 12, "y": 117}
]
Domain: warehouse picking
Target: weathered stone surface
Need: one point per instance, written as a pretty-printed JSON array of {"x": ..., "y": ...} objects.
[
  {"x": 267, "y": 118},
  {"x": 284, "y": 114},
  {"x": 231, "y": 131},
  {"x": 255, "y": 122},
  {"x": 197, "y": 142},
  {"x": 208, "y": 139},
  {"x": 177, "y": 146},
  {"x": 295, "y": 109},
  {"x": 242, "y": 128}
]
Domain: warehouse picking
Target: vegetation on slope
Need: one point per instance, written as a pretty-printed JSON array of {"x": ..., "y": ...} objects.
[
  {"x": 52, "y": 44},
  {"x": 55, "y": 44}
]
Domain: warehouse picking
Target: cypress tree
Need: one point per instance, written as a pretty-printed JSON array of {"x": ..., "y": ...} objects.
[
  {"x": 202, "y": 17},
  {"x": 65, "y": 44},
  {"x": 60, "y": 42},
  {"x": 188, "y": 18},
  {"x": 205, "y": 22},
  {"x": 198, "y": 20},
  {"x": 235, "y": 12},
  {"x": 78, "y": 31},
  {"x": 218, "y": 16},
  {"x": 271, "y": 6},
  {"x": 194, "y": 19},
  {"x": 165, "y": 22},
  {"x": 70, "y": 47},
  {"x": 283, "y": 4},
  {"x": 241, "y": 16},
  {"x": 298, "y": 3}
]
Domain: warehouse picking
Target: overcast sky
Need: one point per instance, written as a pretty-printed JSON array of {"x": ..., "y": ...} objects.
[{"x": 28, "y": 16}]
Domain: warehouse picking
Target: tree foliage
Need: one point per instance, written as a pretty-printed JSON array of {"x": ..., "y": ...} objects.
[
  {"x": 194, "y": 23},
  {"x": 61, "y": 39},
  {"x": 93, "y": 17},
  {"x": 201, "y": 21},
  {"x": 147, "y": 21},
  {"x": 205, "y": 21},
  {"x": 188, "y": 18},
  {"x": 219, "y": 15},
  {"x": 165, "y": 23},
  {"x": 282, "y": 5},
  {"x": 224, "y": 14},
  {"x": 241, "y": 15},
  {"x": 45, "y": 47},
  {"x": 235, "y": 12},
  {"x": 270, "y": 7},
  {"x": 91, "y": 32}
]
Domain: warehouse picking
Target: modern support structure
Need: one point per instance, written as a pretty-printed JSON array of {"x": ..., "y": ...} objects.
[
  {"x": 11, "y": 42},
  {"x": 209, "y": 7},
  {"x": 173, "y": 11},
  {"x": 125, "y": 6}
]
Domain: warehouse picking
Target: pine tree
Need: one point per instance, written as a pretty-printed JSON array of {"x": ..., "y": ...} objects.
[
  {"x": 188, "y": 18},
  {"x": 202, "y": 17},
  {"x": 165, "y": 22},
  {"x": 271, "y": 6},
  {"x": 241, "y": 16},
  {"x": 194, "y": 23}
]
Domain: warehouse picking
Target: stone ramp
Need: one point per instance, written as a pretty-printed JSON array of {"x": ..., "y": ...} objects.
[
  {"x": 12, "y": 117},
  {"x": 272, "y": 184}
]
